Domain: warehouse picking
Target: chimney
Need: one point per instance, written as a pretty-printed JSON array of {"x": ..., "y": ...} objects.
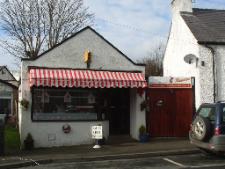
[{"x": 181, "y": 6}]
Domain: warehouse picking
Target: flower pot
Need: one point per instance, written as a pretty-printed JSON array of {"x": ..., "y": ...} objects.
[
  {"x": 144, "y": 138},
  {"x": 28, "y": 144},
  {"x": 101, "y": 141}
]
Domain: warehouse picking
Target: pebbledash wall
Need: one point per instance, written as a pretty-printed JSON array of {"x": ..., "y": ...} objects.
[
  {"x": 220, "y": 71},
  {"x": 70, "y": 55},
  {"x": 182, "y": 42}
]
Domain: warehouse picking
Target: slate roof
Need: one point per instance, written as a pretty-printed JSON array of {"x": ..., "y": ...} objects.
[
  {"x": 207, "y": 25},
  {"x": 12, "y": 80}
]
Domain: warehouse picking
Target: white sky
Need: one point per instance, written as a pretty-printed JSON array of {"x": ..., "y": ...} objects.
[{"x": 133, "y": 26}]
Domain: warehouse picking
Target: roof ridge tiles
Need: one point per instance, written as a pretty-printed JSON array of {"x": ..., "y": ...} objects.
[{"x": 207, "y": 9}]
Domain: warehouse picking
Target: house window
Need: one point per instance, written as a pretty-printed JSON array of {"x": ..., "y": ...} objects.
[
  {"x": 53, "y": 104},
  {"x": 5, "y": 106}
]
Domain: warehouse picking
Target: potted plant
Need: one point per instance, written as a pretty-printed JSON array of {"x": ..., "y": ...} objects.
[
  {"x": 29, "y": 142},
  {"x": 24, "y": 103},
  {"x": 143, "y": 135},
  {"x": 101, "y": 141}
]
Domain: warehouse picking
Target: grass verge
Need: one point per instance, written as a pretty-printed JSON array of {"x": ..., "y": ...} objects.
[{"x": 12, "y": 139}]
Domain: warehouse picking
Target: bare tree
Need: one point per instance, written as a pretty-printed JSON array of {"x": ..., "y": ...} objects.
[
  {"x": 36, "y": 25},
  {"x": 154, "y": 61}
]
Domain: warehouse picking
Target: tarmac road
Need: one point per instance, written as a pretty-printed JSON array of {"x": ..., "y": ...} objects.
[{"x": 200, "y": 161}]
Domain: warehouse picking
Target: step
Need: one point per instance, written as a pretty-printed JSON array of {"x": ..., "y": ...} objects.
[{"x": 119, "y": 139}]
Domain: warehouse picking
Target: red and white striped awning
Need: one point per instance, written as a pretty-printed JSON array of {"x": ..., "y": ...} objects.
[{"x": 85, "y": 78}]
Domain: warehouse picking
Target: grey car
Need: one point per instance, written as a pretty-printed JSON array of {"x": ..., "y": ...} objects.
[{"x": 208, "y": 128}]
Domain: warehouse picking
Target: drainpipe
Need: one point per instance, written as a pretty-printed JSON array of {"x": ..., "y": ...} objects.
[{"x": 214, "y": 72}]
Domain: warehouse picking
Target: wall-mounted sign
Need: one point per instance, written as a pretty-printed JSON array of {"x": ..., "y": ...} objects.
[
  {"x": 159, "y": 103},
  {"x": 66, "y": 128},
  {"x": 96, "y": 132},
  {"x": 45, "y": 97},
  {"x": 87, "y": 56},
  {"x": 170, "y": 82},
  {"x": 91, "y": 98},
  {"x": 67, "y": 98}
]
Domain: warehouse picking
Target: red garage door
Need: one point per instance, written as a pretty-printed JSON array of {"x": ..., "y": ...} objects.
[{"x": 171, "y": 111}]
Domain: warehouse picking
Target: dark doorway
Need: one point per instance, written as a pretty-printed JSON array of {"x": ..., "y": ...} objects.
[
  {"x": 119, "y": 111},
  {"x": 5, "y": 106}
]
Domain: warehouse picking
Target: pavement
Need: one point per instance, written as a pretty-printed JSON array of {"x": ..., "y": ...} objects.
[{"x": 83, "y": 153}]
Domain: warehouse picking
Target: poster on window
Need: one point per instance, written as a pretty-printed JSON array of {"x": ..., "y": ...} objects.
[
  {"x": 91, "y": 98},
  {"x": 45, "y": 97},
  {"x": 67, "y": 98}
]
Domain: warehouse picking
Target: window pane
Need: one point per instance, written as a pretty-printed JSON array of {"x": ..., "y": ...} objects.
[
  {"x": 5, "y": 106},
  {"x": 223, "y": 114},
  {"x": 208, "y": 112},
  {"x": 64, "y": 104}
]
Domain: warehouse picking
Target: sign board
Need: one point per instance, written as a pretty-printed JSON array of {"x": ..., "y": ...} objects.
[
  {"x": 170, "y": 82},
  {"x": 96, "y": 132},
  {"x": 45, "y": 97},
  {"x": 67, "y": 98}
]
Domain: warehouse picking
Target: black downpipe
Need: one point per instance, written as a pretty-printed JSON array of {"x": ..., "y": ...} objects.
[{"x": 193, "y": 91}]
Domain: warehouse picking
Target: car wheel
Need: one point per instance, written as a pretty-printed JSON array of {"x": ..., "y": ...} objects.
[{"x": 201, "y": 128}]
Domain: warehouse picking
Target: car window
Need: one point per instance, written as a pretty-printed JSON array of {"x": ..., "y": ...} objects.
[
  {"x": 208, "y": 112},
  {"x": 224, "y": 114}
]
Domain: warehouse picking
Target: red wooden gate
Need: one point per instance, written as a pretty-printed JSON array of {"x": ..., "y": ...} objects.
[{"x": 170, "y": 112}]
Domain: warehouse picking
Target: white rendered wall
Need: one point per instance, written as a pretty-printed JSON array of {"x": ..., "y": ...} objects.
[
  {"x": 137, "y": 117},
  {"x": 206, "y": 81},
  {"x": 70, "y": 55},
  {"x": 182, "y": 42},
  {"x": 220, "y": 71}
]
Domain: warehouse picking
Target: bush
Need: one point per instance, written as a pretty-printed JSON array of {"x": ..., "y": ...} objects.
[
  {"x": 24, "y": 103},
  {"x": 12, "y": 139}
]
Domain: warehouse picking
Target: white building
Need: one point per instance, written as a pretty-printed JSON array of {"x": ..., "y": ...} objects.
[
  {"x": 81, "y": 82},
  {"x": 196, "y": 48}
]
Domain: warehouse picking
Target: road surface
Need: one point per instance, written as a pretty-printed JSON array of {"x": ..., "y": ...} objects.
[{"x": 165, "y": 162}]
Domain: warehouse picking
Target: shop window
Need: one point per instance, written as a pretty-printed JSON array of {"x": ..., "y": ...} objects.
[{"x": 66, "y": 105}]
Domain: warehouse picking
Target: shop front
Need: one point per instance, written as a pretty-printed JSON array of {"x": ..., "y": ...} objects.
[{"x": 67, "y": 96}]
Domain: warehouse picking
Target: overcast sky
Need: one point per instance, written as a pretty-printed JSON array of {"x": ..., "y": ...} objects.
[{"x": 134, "y": 26}]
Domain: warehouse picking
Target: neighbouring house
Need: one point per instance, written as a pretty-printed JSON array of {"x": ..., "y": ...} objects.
[
  {"x": 8, "y": 93},
  {"x": 82, "y": 82},
  {"x": 196, "y": 48}
]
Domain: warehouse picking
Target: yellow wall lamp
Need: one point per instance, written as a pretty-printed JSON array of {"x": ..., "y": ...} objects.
[{"x": 87, "y": 58}]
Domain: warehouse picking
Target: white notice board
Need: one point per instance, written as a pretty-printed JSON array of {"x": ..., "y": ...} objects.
[{"x": 96, "y": 132}]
